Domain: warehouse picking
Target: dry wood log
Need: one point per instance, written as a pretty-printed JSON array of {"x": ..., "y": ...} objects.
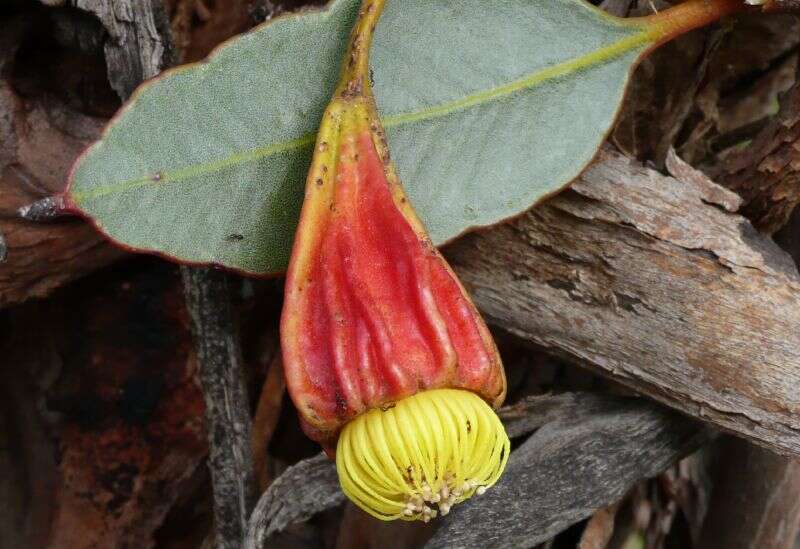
[
  {"x": 655, "y": 283},
  {"x": 589, "y": 450},
  {"x": 139, "y": 47}
]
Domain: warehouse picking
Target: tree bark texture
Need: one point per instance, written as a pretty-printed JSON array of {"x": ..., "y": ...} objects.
[
  {"x": 767, "y": 172},
  {"x": 138, "y": 46},
  {"x": 656, "y": 283},
  {"x": 229, "y": 424}
]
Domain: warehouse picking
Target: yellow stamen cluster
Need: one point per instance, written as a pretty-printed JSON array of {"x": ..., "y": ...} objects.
[{"x": 418, "y": 458}]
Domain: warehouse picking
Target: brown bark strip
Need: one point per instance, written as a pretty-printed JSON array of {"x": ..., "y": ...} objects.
[
  {"x": 139, "y": 43},
  {"x": 651, "y": 281},
  {"x": 35, "y": 157}
]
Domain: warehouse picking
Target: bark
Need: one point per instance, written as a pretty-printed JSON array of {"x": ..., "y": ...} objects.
[
  {"x": 138, "y": 44},
  {"x": 754, "y": 503},
  {"x": 589, "y": 450},
  {"x": 302, "y": 491},
  {"x": 767, "y": 172},
  {"x": 40, "y": 139},
  {"x": 229, "y": 424},
  {"x": 655, "y": 283},
  {"x": 599, "y": 529},
  {"x": 101, "y": 429}
]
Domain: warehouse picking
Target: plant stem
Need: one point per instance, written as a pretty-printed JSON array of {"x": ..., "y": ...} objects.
[
  {"x": 673, "y": 22},
  {"x": 354, "y": 80}
]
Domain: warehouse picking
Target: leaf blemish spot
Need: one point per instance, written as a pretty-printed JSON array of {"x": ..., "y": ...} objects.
[
  {"x": 234, "y": 237},
  {"x": 158, "y": 176}
]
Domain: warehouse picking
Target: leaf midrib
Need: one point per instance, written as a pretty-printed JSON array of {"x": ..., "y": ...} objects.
[{"x": 564, "y": 68}]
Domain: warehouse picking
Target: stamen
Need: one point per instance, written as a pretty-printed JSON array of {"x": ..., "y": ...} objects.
[{"x": 417, "y": 459}]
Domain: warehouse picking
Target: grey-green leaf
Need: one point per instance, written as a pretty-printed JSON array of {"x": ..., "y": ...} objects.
[{"x": 489, "y": 107}]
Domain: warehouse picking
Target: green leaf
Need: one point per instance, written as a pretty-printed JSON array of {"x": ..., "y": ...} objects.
[{"x": 489, "y": 107}]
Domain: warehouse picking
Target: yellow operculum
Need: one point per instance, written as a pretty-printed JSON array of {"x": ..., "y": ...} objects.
[{"x": 423, "y": 455}]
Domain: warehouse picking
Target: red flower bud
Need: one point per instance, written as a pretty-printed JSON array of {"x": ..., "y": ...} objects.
[
  {"x": 386, "y": 357},
  {"x": 373, "y": 313}
]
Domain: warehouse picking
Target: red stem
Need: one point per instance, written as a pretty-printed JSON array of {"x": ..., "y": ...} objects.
[{"x": 687, "y": 16}]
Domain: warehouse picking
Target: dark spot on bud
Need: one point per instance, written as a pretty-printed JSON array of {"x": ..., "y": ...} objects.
[
  {"x": 319, "y": 182},
  {"x": 469, "y": 426},
  {"x": 323, "y": 146},
  {"x": 341, "y": 403},
  {"x": 387, "y": 407},
  {"x": 324, "y": 168}
]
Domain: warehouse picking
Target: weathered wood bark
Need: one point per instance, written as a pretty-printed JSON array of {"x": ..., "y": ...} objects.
[
  {"x": 655, "y": 283},
  {"x": 588, "y": 451},
  {"x": 229, "y": 424},
  {"x": 754, "y": 503},
  {"x": 569, "y": 468},
  {"x": 138, "y": 44},
  {"x": 782, "y": 5},
  {"x": 39, "y": 139},
  {"x": 767, "y": 173}
]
